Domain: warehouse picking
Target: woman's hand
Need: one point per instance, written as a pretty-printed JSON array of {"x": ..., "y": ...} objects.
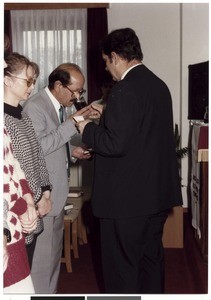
[
  {"x": 31, "y": 209},
  {"x": 29, "y": 218},
  {"x": 27, "y": 225},
  {"x": 5, "y": 254},
  {"x": 44, "y": 205}
]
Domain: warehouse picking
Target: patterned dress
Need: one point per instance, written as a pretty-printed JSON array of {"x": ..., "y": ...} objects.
[{"x": 29, "y": 153}]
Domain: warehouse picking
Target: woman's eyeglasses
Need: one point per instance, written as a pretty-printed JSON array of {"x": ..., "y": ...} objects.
[{"x": 29, "y": 81}]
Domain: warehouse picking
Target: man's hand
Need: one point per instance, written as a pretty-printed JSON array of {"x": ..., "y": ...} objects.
[
  {"x": 85, "y": 112},
  {"x": 81, "y": 153},
  {"x": 81, "y": 125},
  {"x": 92, "y": 112},
  {"x": 97, "y": 109}
]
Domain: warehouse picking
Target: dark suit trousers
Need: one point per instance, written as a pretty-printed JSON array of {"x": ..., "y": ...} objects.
[{"x": 133, "y": 255}]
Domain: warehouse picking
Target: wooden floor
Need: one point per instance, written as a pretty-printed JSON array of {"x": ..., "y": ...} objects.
[{"x": 186, "y": 271}]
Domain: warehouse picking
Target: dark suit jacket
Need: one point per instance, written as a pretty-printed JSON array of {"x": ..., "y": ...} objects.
[{"x": 136, "y": 170}]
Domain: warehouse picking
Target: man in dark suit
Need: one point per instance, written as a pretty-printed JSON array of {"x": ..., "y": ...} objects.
[{"x": 136, "y": 177}]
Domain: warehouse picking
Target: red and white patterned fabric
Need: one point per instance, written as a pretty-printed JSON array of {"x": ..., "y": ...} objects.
[{"x": 15, "y": 187}]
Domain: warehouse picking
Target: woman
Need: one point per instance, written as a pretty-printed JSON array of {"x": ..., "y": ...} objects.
[
  {"x": 19, "y": 79},
  {"x": 19, "y": 216}
]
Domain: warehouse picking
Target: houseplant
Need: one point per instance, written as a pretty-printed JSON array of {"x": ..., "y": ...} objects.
[{"x": 180, "y": 152}]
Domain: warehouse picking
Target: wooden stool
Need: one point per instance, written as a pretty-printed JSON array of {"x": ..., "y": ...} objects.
[
  {"x": 82, "y": 230},
  {"x": 74, "y": 227},
  {"x": 82, "y": 236},
  {"x": 71, "y": 236}
]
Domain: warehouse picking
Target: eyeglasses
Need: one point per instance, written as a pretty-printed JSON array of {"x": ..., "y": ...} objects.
[
  {"x": 80, "y": 93},
  {"x": 29, "y": 81}
]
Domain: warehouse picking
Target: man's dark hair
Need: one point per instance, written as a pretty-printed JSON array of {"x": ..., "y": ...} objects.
[
  {"x": 124, "y": 42},
  {"x": 62, "y": 74}
]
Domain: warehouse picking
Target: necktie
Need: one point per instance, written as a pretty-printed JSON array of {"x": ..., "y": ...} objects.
[{"x": 61, "y": 117}]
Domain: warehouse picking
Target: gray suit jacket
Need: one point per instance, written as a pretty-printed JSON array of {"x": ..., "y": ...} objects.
[{"x": 53, "y": 137}]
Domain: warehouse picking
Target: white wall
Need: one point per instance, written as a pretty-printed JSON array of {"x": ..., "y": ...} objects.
[
  {"x": 158, "y": 28},
  {"x": 172, "y": 35}
]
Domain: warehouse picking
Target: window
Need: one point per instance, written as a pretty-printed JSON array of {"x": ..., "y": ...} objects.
[{"x": 50, "y": 37}]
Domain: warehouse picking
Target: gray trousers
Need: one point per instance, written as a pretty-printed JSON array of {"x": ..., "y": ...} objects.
[{"x": 47, "y": 255}]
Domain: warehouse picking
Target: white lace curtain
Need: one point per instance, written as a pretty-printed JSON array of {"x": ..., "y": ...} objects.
[{"x": 50, "y": 37}]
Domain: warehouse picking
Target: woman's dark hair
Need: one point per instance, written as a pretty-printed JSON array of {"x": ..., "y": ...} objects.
[
  {"x": 62, "y": 74},
  {"x": 17, "y": 62},
  {"x": 124, "y": 42}
]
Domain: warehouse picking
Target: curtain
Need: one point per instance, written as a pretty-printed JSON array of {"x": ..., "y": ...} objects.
[
  {"x": 50, "y": 37},
  {"x": 7, "y": 28},
  {"x": 97, "y": 29}
]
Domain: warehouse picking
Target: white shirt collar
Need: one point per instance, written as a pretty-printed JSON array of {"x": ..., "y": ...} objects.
[
  {"x": 55, "y": 102},
  {"x": 125, "y": 73}
]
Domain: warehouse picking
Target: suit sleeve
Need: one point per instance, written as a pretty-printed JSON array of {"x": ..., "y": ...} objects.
[
  {"x": 50, "y": 139},
  {"x": 116, "y": 131}
]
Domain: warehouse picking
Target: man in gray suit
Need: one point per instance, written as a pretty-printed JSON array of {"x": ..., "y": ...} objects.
[{"x": 65, "y": 84}]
